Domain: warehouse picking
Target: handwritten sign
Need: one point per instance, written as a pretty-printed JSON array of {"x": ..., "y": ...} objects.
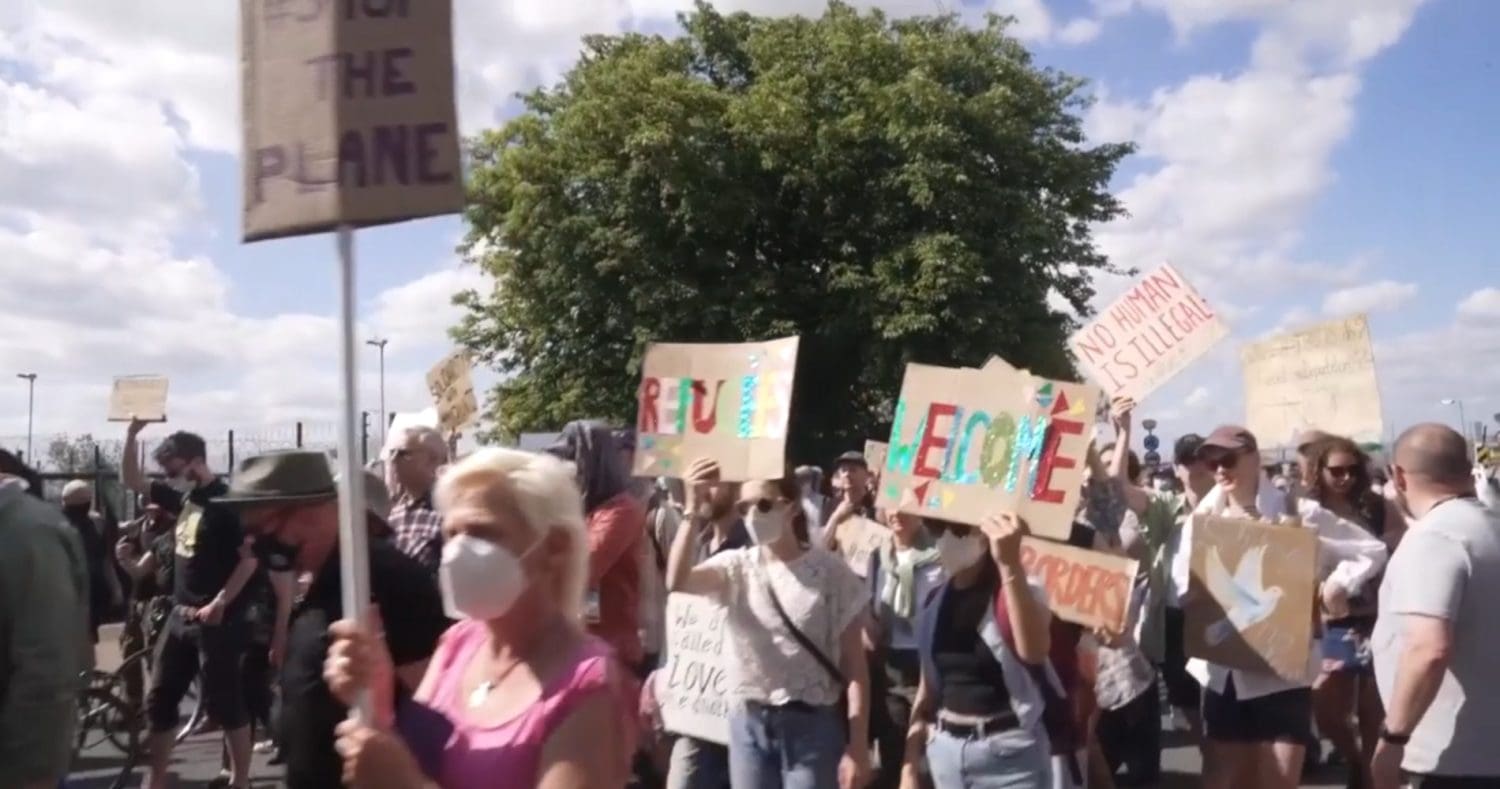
[
  {"x": 1089, "y": 588},
  {"x": 1251, "y": 595},
  {"x": 348, "y": 114},
  {"x": 858, "y": 539},
  {"x": 875, "y": 455},
  {"x": 452, "y": 387},
  {"x": 969, "y": 443},
  {"x": 692, "y": 687},
  {"x": 142, "y": 397},
  {"x": 729, "y": 402},
  {"x": 1322, "y": 377},
  {"x": 1153, "y": 332}
]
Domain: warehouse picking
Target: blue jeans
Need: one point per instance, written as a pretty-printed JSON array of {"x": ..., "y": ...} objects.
[
  {"x": 792, "y": 747},
  {"x": 1016, "y": 759},
  {"x": 698, "y": 764}
]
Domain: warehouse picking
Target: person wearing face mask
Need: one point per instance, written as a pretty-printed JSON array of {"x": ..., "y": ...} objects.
[
  {"x": 518, "y": 693},
  {"x": 207, "y": 627},
  {"x": 288, "y": 502},
  {"x": 795, "y": 623},
  {"x": 1435, "y": 637},
  {"x": 1257, "y": 724},
  {"x": 984, "y": 638}
]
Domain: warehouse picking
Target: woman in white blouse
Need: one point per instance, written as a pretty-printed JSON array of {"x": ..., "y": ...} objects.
[
  {"x": 795, "y": 618},
  {"x": 1256, "y": 723}
]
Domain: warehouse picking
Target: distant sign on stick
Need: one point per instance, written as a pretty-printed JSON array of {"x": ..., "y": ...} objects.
[
  {"x": 1150, "y": 334},
  {"x": 451, "y": 384},
  {"x": 725, "y": 401},
  {"x": 348, "y": 114},
  {"x": 142, "y": 397}
]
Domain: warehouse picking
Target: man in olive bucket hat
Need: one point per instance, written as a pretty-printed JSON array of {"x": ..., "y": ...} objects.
[{"x": 289, "y": 502}]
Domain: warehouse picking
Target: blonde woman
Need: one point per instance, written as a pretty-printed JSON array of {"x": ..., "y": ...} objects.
[{"x": 517, "y": 694}]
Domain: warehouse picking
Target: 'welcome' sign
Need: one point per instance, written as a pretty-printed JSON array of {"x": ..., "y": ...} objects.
[
  {"x": 970, "y": 443},
  {"x": 1153, "y": 332},
  {"x": 728, "y": 402}
]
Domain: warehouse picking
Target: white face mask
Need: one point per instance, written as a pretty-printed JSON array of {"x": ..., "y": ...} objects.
[
  {"x": 182, "y": 483},
  {"x": 766, "y": 527},
  {"x": 479, "y": 579},
  {"x": 957, "y": 554}
]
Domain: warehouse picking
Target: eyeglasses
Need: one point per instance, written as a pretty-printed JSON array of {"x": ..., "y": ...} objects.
[
  {"x": 939, "y": 527},
  {"x": 1225, "y": 462},
  {"x": 1341, "y": 472}
]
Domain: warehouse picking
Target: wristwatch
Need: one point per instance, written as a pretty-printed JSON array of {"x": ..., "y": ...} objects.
[{"x": 1391, "y": 738}]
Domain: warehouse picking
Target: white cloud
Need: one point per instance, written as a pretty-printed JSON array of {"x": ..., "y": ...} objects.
[
  {"x": 1033, "y": 20},
  {"x": 1483, "y": 304},
  {"x": 1080, "y": 31},
  {"x": 1382, "y": 296}
]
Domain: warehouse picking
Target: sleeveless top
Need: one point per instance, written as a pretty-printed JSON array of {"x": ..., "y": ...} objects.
[{"x": 509, "y": 753}]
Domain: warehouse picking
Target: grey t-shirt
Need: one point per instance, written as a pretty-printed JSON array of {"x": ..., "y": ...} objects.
[{"x": 1448, "y": 566}]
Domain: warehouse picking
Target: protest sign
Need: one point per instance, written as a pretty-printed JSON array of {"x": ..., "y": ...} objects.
[
  {"x": 142, "y": 397},
  {"x": 692, "y": 687},
  {"x": 1089, "y": 588},
  {"x": 725, "y": 401},
  {"x": 348, "y": 114},
  {"x": 1251, "y": 595},
  {"x": 452, "y": 386},
  {"x": 970, "y": 443},
  {"x": 858, "y": 539},
  {"x": 1322, "y": 377},
  {"x": 1159, "y": 327},
  {"x": 875, "y": 454}
]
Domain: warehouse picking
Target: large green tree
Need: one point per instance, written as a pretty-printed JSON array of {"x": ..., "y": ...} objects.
[{"x": 891, "y": 190}]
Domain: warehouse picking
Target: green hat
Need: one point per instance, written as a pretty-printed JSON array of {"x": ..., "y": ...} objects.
[{"x": 289, "y": 477}]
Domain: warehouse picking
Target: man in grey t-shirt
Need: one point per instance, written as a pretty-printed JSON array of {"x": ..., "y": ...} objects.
[{"x": 1436, "y": 644}]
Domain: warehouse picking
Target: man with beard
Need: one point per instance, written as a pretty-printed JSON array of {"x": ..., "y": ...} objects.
[{"x": 104, "y": 585}]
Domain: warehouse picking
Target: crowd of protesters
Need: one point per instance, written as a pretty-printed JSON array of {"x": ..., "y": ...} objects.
[{"x": 519, "y": 600}]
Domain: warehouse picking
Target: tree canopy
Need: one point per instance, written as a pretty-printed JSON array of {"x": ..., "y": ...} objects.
[{"x": 891, "y": 190}]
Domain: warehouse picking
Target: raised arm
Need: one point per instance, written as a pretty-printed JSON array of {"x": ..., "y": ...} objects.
[
  {"x": 682, "y": 574},
  {"x": 1122, "y": 412},
  {"x": 1029, "y": 619},
  {"x": 132, "y": 476}
]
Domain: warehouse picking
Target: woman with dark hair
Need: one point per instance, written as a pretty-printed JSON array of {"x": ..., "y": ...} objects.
[
  {"x": 794, "y": 616},
  {"x": 1339, "y": 482},
  {"x": 616, "y": 522}
]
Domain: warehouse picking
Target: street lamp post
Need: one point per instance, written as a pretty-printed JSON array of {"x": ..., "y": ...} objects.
[
  {"x": 30, "y": 379},
  {"x": 1463, "y": 420},
  {"x": 380, "y": 344}
]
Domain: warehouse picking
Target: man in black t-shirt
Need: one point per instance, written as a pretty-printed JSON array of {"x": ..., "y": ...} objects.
[
  {"x": 206, "y": 629},
  {"x": 289, "y": 502}
]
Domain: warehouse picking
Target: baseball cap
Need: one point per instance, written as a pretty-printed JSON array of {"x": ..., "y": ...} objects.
[{"x": 1231, "y": 437}]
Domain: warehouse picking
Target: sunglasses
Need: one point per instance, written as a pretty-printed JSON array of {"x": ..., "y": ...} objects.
[
  {"x": 761, "y": 505},
  {"x": 1225, "y": 462},
  {"x": 958, "y": 530},
  {"x": 1341, "y": 472}
]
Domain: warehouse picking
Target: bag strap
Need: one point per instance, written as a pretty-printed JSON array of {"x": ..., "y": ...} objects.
[{"x": 804, "y": 641}]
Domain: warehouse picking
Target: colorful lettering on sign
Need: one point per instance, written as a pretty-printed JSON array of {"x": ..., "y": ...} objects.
[
  {"x": 943, "y": 447},
  {"x": 1090, "y": 591},
  {"x": 757, "y": 408}
]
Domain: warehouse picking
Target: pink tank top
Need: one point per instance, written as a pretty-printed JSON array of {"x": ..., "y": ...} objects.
[{"x": 509, "y": 754}]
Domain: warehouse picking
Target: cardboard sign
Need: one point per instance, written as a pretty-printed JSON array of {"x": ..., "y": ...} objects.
[
  {"x": 1322, "y": 377},
  {"x": 1150, "y": 334},
  {"x": 1089, "y": 588},
  {"x": 692, "y": 687},
  {"x": 970, "y": 443},
  {"x": 875, "y": 455},
  {"x": 142, "y": 397},
  {"x": 1251, "y": 595},
  {"x": 729, "y": 402},
  {"x": 348, "y": 113},
  {"x": 452, "y": 386},
  {"x": 859, "y": 539}
]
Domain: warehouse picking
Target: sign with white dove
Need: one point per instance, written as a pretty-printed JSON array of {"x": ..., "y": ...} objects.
[
  {"x": 1251, "y": 595},
  {"x": 970, "y": 443}
]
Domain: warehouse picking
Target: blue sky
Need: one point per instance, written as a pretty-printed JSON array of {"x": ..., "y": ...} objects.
[{"x": 1299, "y": 160}]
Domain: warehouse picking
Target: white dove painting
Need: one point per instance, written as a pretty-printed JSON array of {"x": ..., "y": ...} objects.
[
  {"x": 1246, "y": 599},
  {"x": 1250, "y": 598}
]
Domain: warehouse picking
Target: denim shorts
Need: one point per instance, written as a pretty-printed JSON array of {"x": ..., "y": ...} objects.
[{"x": 1015, "y": 759}]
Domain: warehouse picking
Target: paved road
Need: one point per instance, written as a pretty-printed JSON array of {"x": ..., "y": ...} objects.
[{"x": 197, "y": 761}]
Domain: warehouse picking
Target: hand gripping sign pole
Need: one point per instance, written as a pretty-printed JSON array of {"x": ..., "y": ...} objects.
[{"x": 349, "y": 122}]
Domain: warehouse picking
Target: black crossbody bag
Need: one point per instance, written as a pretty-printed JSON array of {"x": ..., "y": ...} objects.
[{"x": 828, "y": 665}]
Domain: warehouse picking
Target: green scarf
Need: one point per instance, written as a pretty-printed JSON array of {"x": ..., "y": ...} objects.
[{"x": 899, "y": 590}]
